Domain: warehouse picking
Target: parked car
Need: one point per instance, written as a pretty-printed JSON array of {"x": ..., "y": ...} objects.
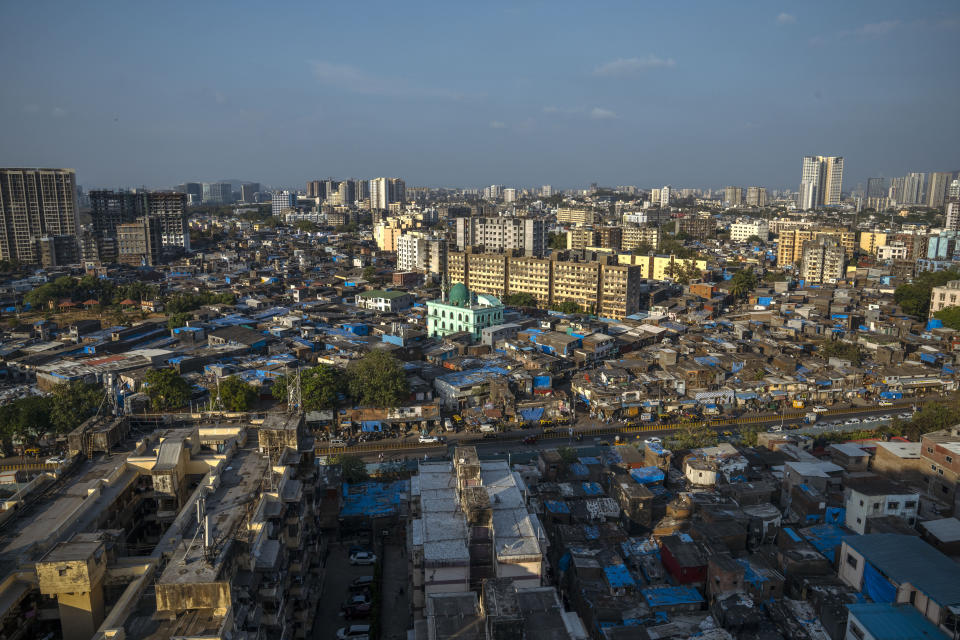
[
  {"x": 906, "y": 415},
  {"x": 363, "y": 558},
  {"x": 358, "y": 606},
  {"x": 363, "y": 582},
  {"x": 429, "y": 439},
  {"x": 819, "y": 409},
  {"x": 653, "y": 440},
  {"x": 354, "y": 632},
  {"x": 58, "y": 460},
  {"x": 337, "y": 442},
  {"x": 854, "y": 421}
]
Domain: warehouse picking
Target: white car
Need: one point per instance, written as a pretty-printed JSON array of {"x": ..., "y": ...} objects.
[
  {"x": 854, "y": 421},
  {"x": 905, "y": 416},
  {"x": 429, "y": 439},
  {"x": 653, "y": 440},
  {"x": 363, "y": 558},
  {"x": 56, "y": 460},
  {"x": 819, "y": 409}
]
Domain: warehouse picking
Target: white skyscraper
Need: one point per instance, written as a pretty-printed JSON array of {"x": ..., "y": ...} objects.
[
  {"x": 379, "y": 193},
  {"x": 913, "y": 188},
  {"x": 665, "y": 196},
  {"x": 821, "y": 181},
  {"x": 509, "y": 195},
  {"x": 281, "y": 201}
]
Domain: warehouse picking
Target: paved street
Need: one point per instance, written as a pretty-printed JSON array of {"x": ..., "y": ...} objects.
[{"x": 338, "y": 575}]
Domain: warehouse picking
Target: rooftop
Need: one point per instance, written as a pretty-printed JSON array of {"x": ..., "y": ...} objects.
[
  {"x": 906, "y": 558},
  {"x": 894, "y": 622}
]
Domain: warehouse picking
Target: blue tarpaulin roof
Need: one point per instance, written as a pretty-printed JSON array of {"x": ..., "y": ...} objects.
[
  {"x": 578, "y": 469},
  {"x": 556, "y": 506},
  {"x": 530, "y": 415},
  {"x": 373, "y": 498},
  {"x": 371, "y": 425},
  {"x": 618, "y": 576},
  {"x": 647, "y": 475},
  {"x": 592, "y": 488},
  {"x": 667, "y": 596}
]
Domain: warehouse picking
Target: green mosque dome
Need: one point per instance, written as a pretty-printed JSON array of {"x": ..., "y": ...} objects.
[{"x": 460, "y": 295}]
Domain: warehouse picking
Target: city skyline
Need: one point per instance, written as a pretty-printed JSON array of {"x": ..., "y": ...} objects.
[{"x": 436, "y": 101}]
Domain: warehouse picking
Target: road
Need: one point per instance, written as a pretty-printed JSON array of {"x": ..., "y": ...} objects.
[{"x": 593, "y": 433}]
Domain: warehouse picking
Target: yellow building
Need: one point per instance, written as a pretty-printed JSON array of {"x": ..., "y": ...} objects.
[
  {"x": 619, "y": 291},
  {"x": 870, "y": 240},
  {"x": 533, "y": 276},
  {"x": 658, "y": 267},
  {"x": 578, "y": 239},
  {"x": 790, "y": 242},
  {"x": 634, "y": 237},
  {"x": 575, "y": 216},
  {"x": 577, "y": 282}
]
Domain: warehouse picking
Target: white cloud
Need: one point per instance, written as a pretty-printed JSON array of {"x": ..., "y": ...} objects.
[
  {"x": 497, "y": 124},
  {"x": 624, "y": 66},
  {"x": 598, "y": 113},
  {"x": 786, "y": 18},
  {"x": 876, "y": 29},
  {"x": 356, "y": 80},
  {"x": 58, "y": 112}
]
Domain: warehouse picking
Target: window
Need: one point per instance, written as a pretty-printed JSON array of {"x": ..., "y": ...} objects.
[
  {"x": 891, "y": 506},
  {"x": 934, "y": 467},
  {"x": 929, "y": 449},
  {"x": 851, "y": 561},
  {"x": 910, "y": 504},
  {"x": 62, "y": 572},
  {"x": 861, "y": 503},
  {"x": 949, "y": 459}
]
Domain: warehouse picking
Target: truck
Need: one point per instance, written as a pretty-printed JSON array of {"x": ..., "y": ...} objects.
[
  {"x": 811, "y": 417},
  {"x": 798, "y": 404}
]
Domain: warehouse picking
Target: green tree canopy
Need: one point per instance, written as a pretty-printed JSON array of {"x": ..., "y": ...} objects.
[
  {"x": 843, "y": 350},
  {"x": 693, "y": 436},
  {"x": 567, "y": 306},
  {"x": 352, "y": 468},
  {"x": 236, "y": 395},
  {"x": 950, "y": 316},
  {"x": 378, "y": 380},
  {"x": 520, "y": 300},
  {"x": 177, "y": 320},
  {"x": 27, "y": 418},
  {"x": 742, "y": 283},
  {"x": 568, "y": 454},
  {"x": 73, "y": 402},
  {"x": 557, "y": 240},
  {"x": 914, "y": 298},
  {"x": 166, "y": 389},
  {"x": 320, "y": 387}
]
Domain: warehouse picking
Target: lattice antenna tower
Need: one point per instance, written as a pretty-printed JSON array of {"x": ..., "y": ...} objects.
[{"x": 294, "y": 393}]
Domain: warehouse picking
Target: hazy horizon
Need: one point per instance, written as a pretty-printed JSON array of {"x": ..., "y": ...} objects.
[{"x": 445, "y": 94}]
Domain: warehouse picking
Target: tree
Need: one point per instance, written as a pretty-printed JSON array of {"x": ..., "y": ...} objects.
[
  {"x": 369, "y": 273},
  {"x": 694, "y": 436},
  {"x": 842, "y": 350},
  {"x": 236, "y": 395},
  {"x": 279, "y": 389},
  {"x": 352, "y": 468},
  {"x": 306, "y": 226},
  {"x": 742, "y": 283},
  {"x": 683, "y": 272},
  {"x": 322, "y": 385},
  {"x": 567, "y": 306},
  {"x": 520, "y": 300},
  {"x": 177, "y": 320},
  {"x": 950, "y": 316},
  {"x": 568, "y": 454},
  {"x": 755, "y": 240},
  {"x": 73, "y": 402},
  {"x": 914, "y": 298},
  {"x": 932, "y": 417},
  {"x": 166, "y": 389},
  {"x": 557, "y": 240},
  {"x": 748, "y": 435},
  {"x": 378, "y": 380},
  {"x": 27, "y": 418}
]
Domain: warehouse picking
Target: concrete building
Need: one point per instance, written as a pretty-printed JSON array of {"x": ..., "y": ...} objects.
[
  {"x": 633, "y": 237},
  {"x": 527, "y": 235},
  {"x": 790, "y": 242},
  {"x": 756, "y": 196},
  {"x": 914, "y": 188},
  {"x": 140, "y": 242},
  {"x": 821, "y": 181},
  {"x": 952, "y": 209},
  {"x": 937, "y": 190},
  {"x": 217, "y": 193},
  {"x": 823, "y": 260},
  {"x": 35, "y": 203},
  {"x": 944, "y": 296},
  {"x": 733, "y": 197},
  {"x": 579, "y": 238},
  {"x": 418, "y": 251},
  {"x": 575, "y": 216},
  {"x": 384, "y": 301},
  {"x": 940, "y": 455},
  {"x": 249, "y": 191},
  {"x": 743, "y": 229},
  {"x": 463, "y": 312},
  {"x": 873, "y": 497},
  {"x": 664, "y": 198},
  {"x": 470, "y": 524},
  {"x": 509, "y": 195},
  {"x": 280, "y": 201}
]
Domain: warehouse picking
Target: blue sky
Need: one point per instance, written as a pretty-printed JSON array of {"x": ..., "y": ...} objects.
[{"x": 466, "y": 94}]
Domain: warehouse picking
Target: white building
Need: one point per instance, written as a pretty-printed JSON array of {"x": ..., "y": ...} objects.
[
  {"x": 470, "y": 507},
  {"x": 509, "y": 195},
  {"x": 743, "y": 229},
  {"x": 875, "y": 496},
  {"x": 420, "y": 252},
  {"x": 892, "y": 252},
  {"x": 821, "y": 181},
  {"x": 503, "y": 234},
  {"x": 665, "y": 196},
  {"x": 379, "y": 193},
  {"x": 281, "y": 201}
]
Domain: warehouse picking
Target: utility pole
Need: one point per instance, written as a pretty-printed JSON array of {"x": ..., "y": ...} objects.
[{"x": 294, "y": 392}]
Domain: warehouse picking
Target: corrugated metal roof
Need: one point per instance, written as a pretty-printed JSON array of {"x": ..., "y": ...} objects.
[{"x": 905, "y": 558}]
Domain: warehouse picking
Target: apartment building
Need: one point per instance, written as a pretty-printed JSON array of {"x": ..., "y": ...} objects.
[
  {"x": 605, "y": 287},
  {"x": 580, "y": 238},
  {"x": 140, "y": 242},
  {"x": 575, "y": 216},
  {"x": 743, "y": 229},
  {"x": 700, "y": 227},
  {"x": 873, "y": 496},
  {"x": 527, "y": 235},
  {"x": 790, "y": 242},
  {"x": 940, "y": 456},
  {"x": 611, "y": 237},
  {"x": 756, "y": 197},
  {"x": 421, "y": 252},
  {"x": 944, "y": 296},
  {"x": 659, "y": 267},
  {"x": 634, "y": 237},
  {"x": 870, "y": 240},
  {"x": 36, "y": 203},
  {"x": 822, "y": 260}
]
